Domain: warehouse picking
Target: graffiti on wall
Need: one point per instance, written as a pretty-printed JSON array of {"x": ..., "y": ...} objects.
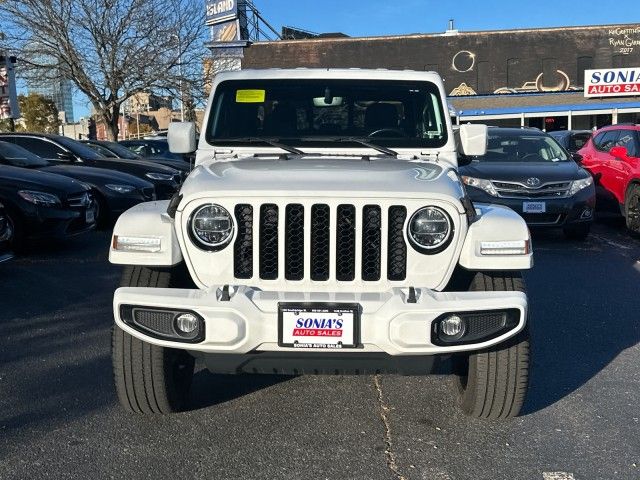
[
  {"x": 561, "y": 83},
  {"x": 624, "y": 40},
  {"x": 464, "y": 61}
]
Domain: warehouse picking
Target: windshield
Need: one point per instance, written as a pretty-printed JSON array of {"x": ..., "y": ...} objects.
[
  {"x": 19, "y": 157},
  {"x": 105, "y": 152},
  {"x": 522, "y": 147},
  {"x": 387, "y": 113},
  {"x": 79, "y": 149},
  {"x": 120, "y": 150}
]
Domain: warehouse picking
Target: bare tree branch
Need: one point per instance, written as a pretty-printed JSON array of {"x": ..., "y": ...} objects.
[{"x": 110, "y": 49}]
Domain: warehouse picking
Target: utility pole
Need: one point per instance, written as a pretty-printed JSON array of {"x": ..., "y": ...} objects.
[{"x": 177, "y": 37}]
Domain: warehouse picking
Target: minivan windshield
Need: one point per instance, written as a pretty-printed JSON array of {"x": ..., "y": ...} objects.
[
  {"x": 522, "y": 147},
  {"x": 316, "y": 112}
]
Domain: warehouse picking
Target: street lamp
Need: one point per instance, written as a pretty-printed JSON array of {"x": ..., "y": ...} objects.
[{"x": 177, "y": 37}]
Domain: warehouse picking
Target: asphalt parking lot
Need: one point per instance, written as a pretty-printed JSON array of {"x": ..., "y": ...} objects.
[{"x": 59, "y": 417}]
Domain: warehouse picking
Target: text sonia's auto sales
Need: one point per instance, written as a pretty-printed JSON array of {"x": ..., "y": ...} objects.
[{"x": 612, "y": 82}]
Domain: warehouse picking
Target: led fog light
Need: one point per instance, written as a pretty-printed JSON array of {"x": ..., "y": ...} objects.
[
  {"x": 587, "y": 213},
  {"x": 452, "y": 326},
  {"x": 187, "y": 323}
]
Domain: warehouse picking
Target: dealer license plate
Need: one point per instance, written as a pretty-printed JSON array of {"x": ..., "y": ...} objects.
[
  {"x": 534, "y": 207},
  {"x": 90, "y": 215},
  {"x": 318, "y": 325}
]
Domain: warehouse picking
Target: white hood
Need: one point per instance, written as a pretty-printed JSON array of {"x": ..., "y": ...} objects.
[{"x": 310, "y": 176}]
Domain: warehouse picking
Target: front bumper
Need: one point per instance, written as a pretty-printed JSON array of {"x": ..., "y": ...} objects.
[
  {"x": 119, "y": 203},
  {"x": 58, "y": 223},
  {"x": 559, "y": 212},
  {"x": 390, "y": 323}
]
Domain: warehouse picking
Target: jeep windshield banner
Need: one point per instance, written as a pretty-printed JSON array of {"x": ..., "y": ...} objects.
[
  {"x": 613, "y": 82},
  {"x": 219, "y": 11}
]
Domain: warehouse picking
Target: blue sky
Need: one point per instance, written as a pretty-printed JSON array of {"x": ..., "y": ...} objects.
[
  {"x": 388, "y": 17},
  {"x": 384, "y": 17}
]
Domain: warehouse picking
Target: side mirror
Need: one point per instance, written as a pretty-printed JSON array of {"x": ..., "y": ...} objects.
[
  {"x": 620, "y": 153},
  {"x": 472, "y": 140},
  {"x": 66, "y": 156},
  {"x": 577, "y": 158},
  {"x": 182, "y": 137}
]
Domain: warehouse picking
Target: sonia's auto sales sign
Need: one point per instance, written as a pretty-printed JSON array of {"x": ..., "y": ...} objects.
[{"x": 612, "y": 82}]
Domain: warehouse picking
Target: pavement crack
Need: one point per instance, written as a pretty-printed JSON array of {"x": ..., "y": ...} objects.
[{"x": 388, "y": 441}]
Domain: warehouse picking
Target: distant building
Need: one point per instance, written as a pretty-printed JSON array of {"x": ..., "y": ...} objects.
[
  {"x": 60, "y": 92},
  {"x": 129, "y": 126},
  {"x": 145, "y": 102},
  {"x": 528, "y": 77}
]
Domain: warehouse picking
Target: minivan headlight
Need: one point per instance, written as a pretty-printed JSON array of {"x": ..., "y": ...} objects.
[
  {"x": 211, "y": 227},
  {"x": 578, "y": 185},
  {"x": 430, "y": 230},
  {"x": 480, "y": 183}
]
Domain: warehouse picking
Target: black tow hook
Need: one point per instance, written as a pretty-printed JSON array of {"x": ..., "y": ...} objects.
[{"x": 412, "y": 296}]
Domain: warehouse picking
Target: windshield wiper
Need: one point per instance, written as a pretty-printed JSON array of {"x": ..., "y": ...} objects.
[
  {"x": 367, "y": 143},
  {"x": 274, "y": 142}
]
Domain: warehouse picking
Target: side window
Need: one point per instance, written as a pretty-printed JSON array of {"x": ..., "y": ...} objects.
[
  {"x": 606, "y": 140},
  {"x": 136, "y": 148},
  {"x": 628, "y": 139},
  {"x": 578, "y": 141},
  {"x": 40, "y": 147}
]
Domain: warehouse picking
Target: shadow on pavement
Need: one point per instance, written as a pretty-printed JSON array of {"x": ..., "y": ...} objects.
[
  {"x": 210, "y": 389},
  {"x": 583, "y": 310}
]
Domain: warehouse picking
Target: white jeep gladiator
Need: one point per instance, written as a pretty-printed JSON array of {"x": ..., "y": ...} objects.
[{"x": 324, "y": 229}]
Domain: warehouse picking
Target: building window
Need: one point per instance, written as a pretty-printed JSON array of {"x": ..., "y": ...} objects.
[{"x": 584, "y": 63}]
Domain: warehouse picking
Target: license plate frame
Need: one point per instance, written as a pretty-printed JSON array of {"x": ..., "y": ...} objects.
[
  {"x": 90, "y": 215},
  {"x": 534, "y": 207},
  {"x": 320, "y": 308}
]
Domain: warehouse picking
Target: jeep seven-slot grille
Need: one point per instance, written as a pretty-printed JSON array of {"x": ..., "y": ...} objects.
[
  {"x": 243, "y": 247},
  {"x": 397, "y": 251},
  {"x": 269, "y": 242},
  {"x": 294, "y": 242},
  {"x": 354, "y": 229},
  {"x": 371, "y": 242},
  {"x": 346, "y": 243},
  {"x": 320, "y": 216}
]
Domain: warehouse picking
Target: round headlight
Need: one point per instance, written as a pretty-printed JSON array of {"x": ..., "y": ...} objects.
[
  {"x": 430, "y": 230},
  {"x": 211, "y": 227}
]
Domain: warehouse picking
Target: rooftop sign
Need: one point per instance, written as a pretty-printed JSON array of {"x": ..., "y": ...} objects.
[
  {"x": 612, "y": 82},
  {"x": 219, "y": 11}
]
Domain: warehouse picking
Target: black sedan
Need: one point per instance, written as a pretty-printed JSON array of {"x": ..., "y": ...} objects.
[
  {"x": 528, "y": 171},
  {"x": 6, "y": 235},
  {"x": 66, "y": 151},
  {"x": 114, "y": 192},
  {"x": 572, "y": 140},
  {"x": 41, "y": 205},
  {"x": 116, "y": 150}
]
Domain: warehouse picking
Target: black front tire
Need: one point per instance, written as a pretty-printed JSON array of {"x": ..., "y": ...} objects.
[
  {"x": 17, "y": 242},
  {"x": 632, "y": 209},
  {"x": 579, "y": 231},
  {"x": 150, "y": 379},
  {"x": 493, "y": 383},
  {"x": 103, "y": 214}
]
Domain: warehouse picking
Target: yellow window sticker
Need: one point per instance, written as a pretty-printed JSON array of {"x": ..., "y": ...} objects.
[{"x": 250, "y": 96}]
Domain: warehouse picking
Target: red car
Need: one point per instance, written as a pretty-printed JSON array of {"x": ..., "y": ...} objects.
[{"x": 612, "y": 155}]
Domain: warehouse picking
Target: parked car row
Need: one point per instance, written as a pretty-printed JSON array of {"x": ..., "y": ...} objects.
[{"x": 55, "y": 187}]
